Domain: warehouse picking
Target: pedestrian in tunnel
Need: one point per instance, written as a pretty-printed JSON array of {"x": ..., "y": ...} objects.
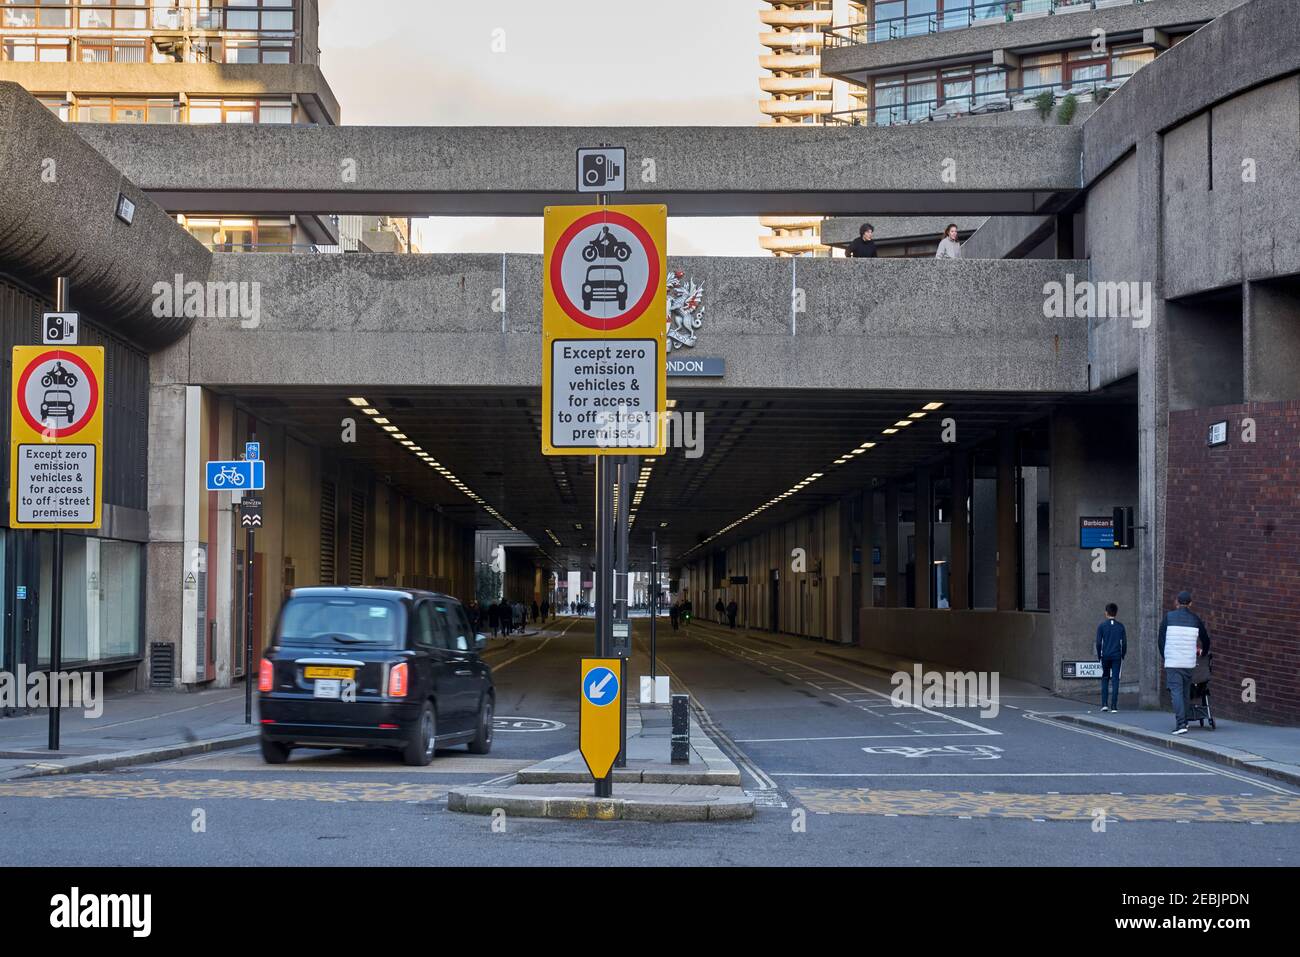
[
  {"x": 732, "y": 610},
  {"x": 1112, "y": 646},
  {"x": 534, "y": 610},
  {"x": 674, "y": 612},
  {"x": 864, "y": 247},
  {"x": 1183, "y": 638},
  {"x": 494, "y": 617},
  {"x": 546, "y": 610},
  {"x": 503, "y": 609},
  {"x": 949, "y": 247},
  {"x": 721, "y": 609}
]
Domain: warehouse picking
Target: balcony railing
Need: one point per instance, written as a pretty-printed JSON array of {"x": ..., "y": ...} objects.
[
  {"x": 994, "y": 11},
  {"x": 925, "y": 111},
  {"x": 164, "y": 17}
]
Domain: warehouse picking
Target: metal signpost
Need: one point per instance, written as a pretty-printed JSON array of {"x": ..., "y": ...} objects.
[
  {"x": 244, "y": 475},
  {"x": 56, "y": 453},
  {"x": 604, "y": 309}
]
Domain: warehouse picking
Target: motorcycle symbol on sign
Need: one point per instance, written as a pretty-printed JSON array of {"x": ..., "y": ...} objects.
[
  {"x": 59, "y": 375},
  {"x": 606, "y": 246}
]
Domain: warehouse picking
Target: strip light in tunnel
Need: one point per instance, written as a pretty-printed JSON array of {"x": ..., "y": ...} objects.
[
  {"x": 401, "y": 437},
  {"x": 911, "y": 419}
]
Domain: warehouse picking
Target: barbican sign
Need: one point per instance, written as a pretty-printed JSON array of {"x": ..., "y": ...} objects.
[{"x": 685, "y": 317}]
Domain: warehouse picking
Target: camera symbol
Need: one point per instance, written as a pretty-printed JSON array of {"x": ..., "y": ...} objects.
[
  {"x": 598, "y": 170},
  {"x": 55, "y": 329}
]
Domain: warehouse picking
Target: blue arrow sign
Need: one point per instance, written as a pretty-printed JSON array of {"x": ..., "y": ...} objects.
[
  {"x": 600, "y": 686},
  {"x": 239, "y": 476}
]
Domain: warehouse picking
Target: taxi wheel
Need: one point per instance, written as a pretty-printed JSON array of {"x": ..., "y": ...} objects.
[
  {"x": 419, "y": 750},
  {"x": 482, "y": 742},
  {"x": 274, "y": 752}
]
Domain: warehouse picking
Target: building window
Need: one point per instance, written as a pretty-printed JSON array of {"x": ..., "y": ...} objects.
[
  {"x": 241, "y": 111},
  {"x": 242, "y": 235},
  {"x": 39, "y": 13},
  {"x": 1041, "y": 72},
  {"x": 127, "y": 110},
  {"x": 101, "y": 600},
  {"x": 24, "y": 50}
]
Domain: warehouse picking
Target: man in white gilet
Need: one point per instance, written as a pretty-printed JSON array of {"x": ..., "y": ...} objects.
[{"x": 1183, "y": 638}]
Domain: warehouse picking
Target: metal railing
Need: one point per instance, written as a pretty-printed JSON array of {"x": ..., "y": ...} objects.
[
  {"x": 921, "y": 24},
  {"x": 920, "y": 111},
  {"x": 166, "y": 17}
]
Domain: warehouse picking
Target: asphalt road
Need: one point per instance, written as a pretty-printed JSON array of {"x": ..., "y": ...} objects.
[{"x": 840, "y": 774}]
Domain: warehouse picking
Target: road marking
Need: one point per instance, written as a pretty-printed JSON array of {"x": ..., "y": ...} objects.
[
  {"x": 497, "y": 666},
  {"x": 860, "y": 737},
  {"x": 992, "y": 774},
  {"x": 1158, "y": 752},
  {"x": 853, "y": 684}
]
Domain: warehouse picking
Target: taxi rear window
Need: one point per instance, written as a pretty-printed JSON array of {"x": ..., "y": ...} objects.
[{"x": 342, "y": 621}]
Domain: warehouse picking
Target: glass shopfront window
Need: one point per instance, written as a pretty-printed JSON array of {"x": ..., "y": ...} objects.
[{"x": 102, "y": 599}]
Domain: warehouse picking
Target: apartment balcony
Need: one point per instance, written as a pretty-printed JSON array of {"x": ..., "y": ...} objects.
[
  {"x": 795, "y": 84},
  {"x": 796, "y": 18},
  {"x": 793, "y": 245},
  {"x": 796, "y": 107},
  {"x": 797, "y": 40},
  {"x": 790, "y": 222},
  {"x": 790, "y": 61},
  {"x": 1021, "y": 99},
  {"x": 856, "y": 52}
]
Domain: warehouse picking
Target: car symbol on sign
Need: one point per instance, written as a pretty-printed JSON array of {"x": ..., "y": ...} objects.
[
  {"x": 57, "y": 403},
  {"x": 604, "y": 283}
]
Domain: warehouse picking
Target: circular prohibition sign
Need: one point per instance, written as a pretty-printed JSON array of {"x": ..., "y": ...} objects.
[
  {"x": 88, "y": 377},
  {"x": 652, "y": 293}
]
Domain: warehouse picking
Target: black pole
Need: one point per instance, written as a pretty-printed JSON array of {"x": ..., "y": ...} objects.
[
  {"x": 654, "y": 599},
  {"x": 56, "y": 581},
  {"x": 56, "y": 636},
  {"x": 248, "y": 627}
]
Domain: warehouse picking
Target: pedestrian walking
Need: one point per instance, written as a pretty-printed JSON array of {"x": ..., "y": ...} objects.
[
  {"x": 721, "y": 609},
  {"x": 864, "y": 247},
  {"x": 494, "y": 617},
  {"x": 732, "y": 610},
  {"x": 674, "y": 613},
  {"x": 949, "y": 247},
  {"x": 1112, "y": 646},
  {"x": 1183, "y": 639}
]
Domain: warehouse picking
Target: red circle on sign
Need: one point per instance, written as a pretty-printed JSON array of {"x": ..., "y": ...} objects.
[
  {"x": 91, "y": 383},
  {"x": 652, "y": 286}
]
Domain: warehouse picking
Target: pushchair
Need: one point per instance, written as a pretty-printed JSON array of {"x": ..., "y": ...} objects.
[{"x": 1200, "y": 693}]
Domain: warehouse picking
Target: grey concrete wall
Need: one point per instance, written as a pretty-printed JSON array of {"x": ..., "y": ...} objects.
[
  {"x": 168, "y": 79},
  {"x": 1000, "y": 236},
  {"x": 869, "y": 324},
  {"x": 1017, "y": 35},
  {"x": 1240, "y": 225},
  {"x": 519, "y": 170},
  {"x": 1111, "y": 247},
  {"x": 1256, "y": 42},
  {"x": 1271, "y": 342},
  {"x": 58, "y": 199},
  {"x": 1094, "y": 468},
  {"x": 1205, "y": 353},
  {"x": 1016, "y": 644}
]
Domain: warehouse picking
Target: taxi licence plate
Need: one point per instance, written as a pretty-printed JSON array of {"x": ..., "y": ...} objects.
[{"x": 318, "y": 672}]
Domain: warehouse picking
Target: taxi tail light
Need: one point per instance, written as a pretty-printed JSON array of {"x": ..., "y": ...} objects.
[
  {"x": 397, "y": 681},
  {"x": 264, "y": 675}
]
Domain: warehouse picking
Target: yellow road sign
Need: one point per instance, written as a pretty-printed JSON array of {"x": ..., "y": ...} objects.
[
  {"x": 56, "y": 429},
  {"x": 604, "y": 318},
  {"x": 600, "y": 715}
]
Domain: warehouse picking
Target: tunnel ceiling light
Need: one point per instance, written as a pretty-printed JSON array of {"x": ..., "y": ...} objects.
[
  {"x": 358, "y": 401},
  {"x": 867, "y": 445},
  {"x": 390, "y": 428},
  {"x": 902, "y": 423},
  {"x": 932, "y": 406},
  {"x": 663, "y": 524},
  {"x": 890, "y": 431},
  {"x": 382, "y": 421},
  {"x": 917, "y": 415},
  {"x": 840, "y": 461},
  {"x": 370, "y": 411}
]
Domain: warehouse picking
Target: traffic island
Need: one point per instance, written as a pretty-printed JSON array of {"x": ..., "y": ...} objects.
[
  {"x": 631, "y": 802},
  {"x": 650, "y": 788}
]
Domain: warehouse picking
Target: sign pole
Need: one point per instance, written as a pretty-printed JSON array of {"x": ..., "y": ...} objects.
[
  {"x": 604, "y": 577},
  {"x": 56, "y": 584},
  {"x": 248, "y": 627},
  {"x": 654, "y": 598},
  {"x": 622, "y": 471}
]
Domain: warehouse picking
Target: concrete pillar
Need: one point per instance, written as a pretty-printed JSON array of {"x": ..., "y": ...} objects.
[
  {"x": 1008, "y": 562},
  {"x": 1271, "y": 341},
  {"x": 959, "y": 548},
  {"x": 890, "y": 556},
  {"x": 868, "y": 539},
  {"x": 1153, "y": 414},
  {"x": 924, "y": 510}
]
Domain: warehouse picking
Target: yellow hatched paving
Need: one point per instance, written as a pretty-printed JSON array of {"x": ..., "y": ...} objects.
[
  {"x": 332, "y": 791},
  {"x": 1213, "y": 808}
]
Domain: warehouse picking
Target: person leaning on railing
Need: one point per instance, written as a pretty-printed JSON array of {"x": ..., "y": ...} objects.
[{"x": 949, "y": 246}]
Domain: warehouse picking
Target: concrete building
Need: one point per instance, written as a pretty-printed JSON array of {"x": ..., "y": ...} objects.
[{"x": 899, "y": 453}]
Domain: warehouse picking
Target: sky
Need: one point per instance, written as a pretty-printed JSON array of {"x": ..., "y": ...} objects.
[{"x": 548, "y": 63}]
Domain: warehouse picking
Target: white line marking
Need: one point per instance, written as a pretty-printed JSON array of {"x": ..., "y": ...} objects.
[{"x": 993, "y": 774}]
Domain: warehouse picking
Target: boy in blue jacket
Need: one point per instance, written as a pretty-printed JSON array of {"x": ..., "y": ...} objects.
[{"x": 1112, "y": 646}]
